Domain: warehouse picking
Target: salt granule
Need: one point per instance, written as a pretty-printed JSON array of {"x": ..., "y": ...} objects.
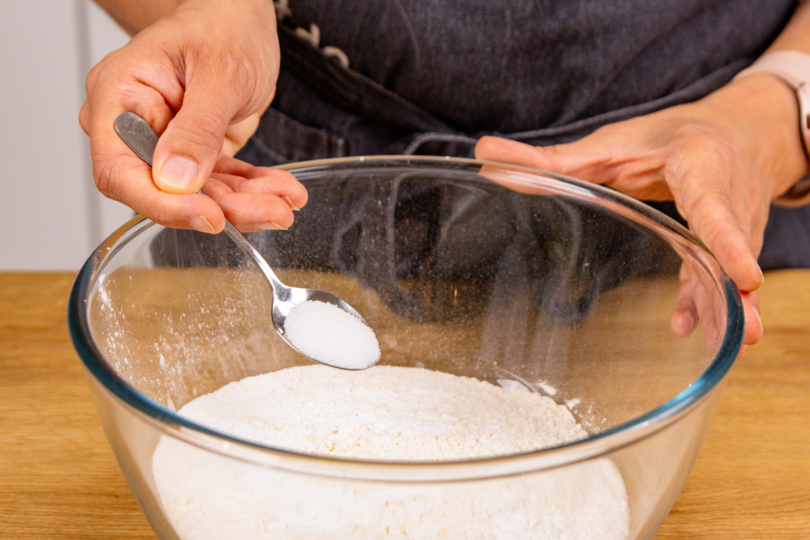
[{"x": 326, "y": 333}]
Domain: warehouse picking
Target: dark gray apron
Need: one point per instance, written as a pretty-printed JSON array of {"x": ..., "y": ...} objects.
[{"x": 431, "y": 77}]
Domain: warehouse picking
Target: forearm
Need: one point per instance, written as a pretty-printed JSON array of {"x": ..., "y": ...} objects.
[
  {"x": 796, "y": 35},
  {"x": 135, "y": 16}
]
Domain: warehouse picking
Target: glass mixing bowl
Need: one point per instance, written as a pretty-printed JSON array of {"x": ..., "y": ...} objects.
[{"x": 506, "y": 274}]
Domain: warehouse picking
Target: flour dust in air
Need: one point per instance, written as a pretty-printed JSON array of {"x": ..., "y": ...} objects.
[{"x": 330, "y": 335}]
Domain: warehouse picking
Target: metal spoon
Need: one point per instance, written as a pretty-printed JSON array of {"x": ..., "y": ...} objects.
[{"x": 140, "y": 138}]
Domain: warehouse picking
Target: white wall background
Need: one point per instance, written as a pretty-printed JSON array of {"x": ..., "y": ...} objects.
[{"x": 51, "y": 215}]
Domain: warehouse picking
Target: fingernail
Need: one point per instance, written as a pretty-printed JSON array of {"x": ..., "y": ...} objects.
[
  {"x": 755, "y": 310},
  {"x": 691, "y": 318},
  {"x": 761, "y": 274},
  {"x": 178, "y": 172},
  {"x": 201, "y": 224},
  {"x": 289, "y": 201},
  {"x": 270, "y": 225}
]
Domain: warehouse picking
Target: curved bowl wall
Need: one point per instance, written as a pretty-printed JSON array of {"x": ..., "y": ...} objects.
[{"x": 501, "y": 273}]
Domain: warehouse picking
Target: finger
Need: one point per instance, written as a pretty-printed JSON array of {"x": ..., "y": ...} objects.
[
  {"x": 129, "y": 179},
  {"x": 84, "y": 117},
  {"x": 191, "y": 144},
  {"x": 516, "y": 153},
  {"x": 236, "y": 167},
  {"x": 121, "y": 176},
  {"x": 710, "y": 310},
  {"x": 89, "y": 85},
  {"x": 249, "y": 211},
  {"x": 271, "y": 182},
  {"x": 724, "y": 210},
  {"x": 699, "y": 303},
  {"x": 119, "y": 89},
  {"x": 753, "y": 320},
  {"x": 717, "y": 226},
  {"x": 713, "y": 312},
  {"x": 100, "y": 113},
  {"x": 517, "y": 180},
  {"x": 636, "y": 172},
  {"x": 587, "y": 159},
  {"x": 238, "y": 134},
  {"x": 263, "y": 180},
  {"x": 684, "y": 318},
  {"x": 507, "y": 151}
]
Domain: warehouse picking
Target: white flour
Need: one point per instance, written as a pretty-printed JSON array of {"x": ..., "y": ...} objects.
[{"x": 384, "y": 413}]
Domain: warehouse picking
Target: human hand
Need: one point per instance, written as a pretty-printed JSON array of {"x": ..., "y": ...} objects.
[
  {"x": 700, "y": 303},
  {"x": 201, "y": 77},
  {"x": 722, "y": 160}
]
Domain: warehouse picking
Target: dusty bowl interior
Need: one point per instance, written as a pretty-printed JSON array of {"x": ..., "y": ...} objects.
[{"x": 502, "y": 273}]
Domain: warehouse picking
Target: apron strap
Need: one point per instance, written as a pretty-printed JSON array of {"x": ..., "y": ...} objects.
[{"x": 350, "y": 90}]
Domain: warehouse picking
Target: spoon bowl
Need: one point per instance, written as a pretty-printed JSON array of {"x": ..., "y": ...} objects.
[
  {"x": 286, "y": 298},
  {"x": 140, "y": 138}
]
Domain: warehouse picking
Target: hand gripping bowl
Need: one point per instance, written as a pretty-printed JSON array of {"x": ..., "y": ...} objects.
[{"x": 502, "y": 273}]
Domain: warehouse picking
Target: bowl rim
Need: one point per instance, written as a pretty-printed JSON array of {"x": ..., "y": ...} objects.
[{"x": 170, "y": 423}]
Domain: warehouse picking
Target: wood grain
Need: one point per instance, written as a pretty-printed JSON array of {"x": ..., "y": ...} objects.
[
  {"x": 59, "y": 479},
  {"x": 752, "y": 479},
  {"x": 58, "y": 476}
]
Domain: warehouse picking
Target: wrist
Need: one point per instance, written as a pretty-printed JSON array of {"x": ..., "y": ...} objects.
[
  {"x": 245, "y": 5},
  {"x": 135, "y": 16},
  {"x": 761, "y": 112}
]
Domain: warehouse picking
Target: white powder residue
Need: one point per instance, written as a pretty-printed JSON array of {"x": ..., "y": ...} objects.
[
  {"x": 547, "y": 388},
  {"x": 384, "y": 413},
  {"x": 326, "y": 333},
  {"x": 512, "y": 384}
]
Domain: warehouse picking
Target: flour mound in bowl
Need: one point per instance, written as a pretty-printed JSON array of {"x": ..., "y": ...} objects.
[{"x": 384, "y": 413}]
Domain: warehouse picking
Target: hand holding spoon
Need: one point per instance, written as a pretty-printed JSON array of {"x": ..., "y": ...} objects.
[{"x": 322, "y": 326}]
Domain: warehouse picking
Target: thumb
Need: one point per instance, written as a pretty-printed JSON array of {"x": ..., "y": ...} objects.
[
  {"x": 567, "y": 158},
  {"x": 189, "y": 147},
  {"x": 491, "y": 148}
]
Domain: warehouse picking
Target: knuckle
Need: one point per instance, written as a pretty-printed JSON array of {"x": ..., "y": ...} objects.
[
  {"x": 84, "y": 117},
  {"x": 92, "y": 77},
  {"x": 104, "y": 174},
  {"x": 707, "y": 144},
  {"x": 162, "y": 217},
  {"x": 721, "y": 149},
  {"x": 199, "y": 131},
  {"x": 161, "y": 214}
]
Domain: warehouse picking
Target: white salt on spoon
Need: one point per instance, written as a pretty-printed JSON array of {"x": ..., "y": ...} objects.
[
  {"x": 337, "y": 335},
  {"x": 332, "y": 336}
]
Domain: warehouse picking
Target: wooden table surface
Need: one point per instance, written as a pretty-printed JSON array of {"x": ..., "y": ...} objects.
[{"x": 59, "y": 479}]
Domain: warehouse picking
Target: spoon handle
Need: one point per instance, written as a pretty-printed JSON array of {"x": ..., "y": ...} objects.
[
  {"x": 138, "y": 135},
  {"x": 280, "y": 290},
  {"x": 140, "y": 138}
]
